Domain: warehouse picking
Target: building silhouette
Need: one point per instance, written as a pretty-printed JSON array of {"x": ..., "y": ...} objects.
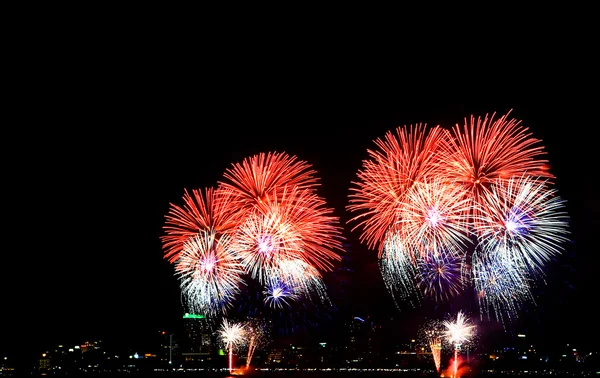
[
  {"x": 169, "y": 349},
  {"x": 363, "y": 342},
  {"x": 197, "y": 346}
]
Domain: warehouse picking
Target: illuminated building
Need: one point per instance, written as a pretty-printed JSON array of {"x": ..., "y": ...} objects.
[
  {"x": 363, "y": 341},
  {"x": 168, "y": 348},
  {"x": 197, "y": 345},
  {"x": 44, "y": 364},
  {"x": 6, "y": 368}
]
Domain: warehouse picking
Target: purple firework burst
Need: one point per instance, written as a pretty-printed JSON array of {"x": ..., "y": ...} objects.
[{"x": 441, "y": 275}]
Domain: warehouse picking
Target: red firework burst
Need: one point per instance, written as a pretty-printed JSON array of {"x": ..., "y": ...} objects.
[
  {"x": 257, "y": 176},
  {"x": 212, "y": 212},
  {"x": 488, "y": 151},
  {"x": 292, "y": 224},
  {"x": 409, "y": 156},
  {"x": 433, "y": 220}
]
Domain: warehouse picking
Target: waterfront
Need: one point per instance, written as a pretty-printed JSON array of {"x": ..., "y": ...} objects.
[{"x": 319, "y": 373}]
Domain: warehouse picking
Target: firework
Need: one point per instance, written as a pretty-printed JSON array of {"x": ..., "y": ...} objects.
[
  {"x": 209, "y": 273},
  {"x": 458, "y": 332},
  {"x": 264, "y": 239},
  {"x": 210, "y": 212},
  {"x": 433, "y": 335},
  {"x": 257, "y": 333},
  {"x": 485, "y": 152},
  {"x": 501, "y": 283},
  {"x": 441, "y": 276},
  {"x": 526, "y": 220},
  {"x": 255, "y": 178},
  {"x": 305, "y": 278},
  {"x": 431, "y": 234},
  {"x": 291, "y": 281},
  {"x": 264, "y": 222},
  {"x": 432, "y": 219},
  {"x": 233, "y": 336},
  {"x": 398, "y": 269},
  {"x": 279, "y": 294},
  {"x": 293, "y": 225},
  {"x": 409, "y": 156},
  {"x": 448, "y": 208}
]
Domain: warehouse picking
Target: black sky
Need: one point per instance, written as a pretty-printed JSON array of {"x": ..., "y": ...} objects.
[{"x": 95, "y": 166}]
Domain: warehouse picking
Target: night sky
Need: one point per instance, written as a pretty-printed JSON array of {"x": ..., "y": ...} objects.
[{"x": 92, "y": 174}]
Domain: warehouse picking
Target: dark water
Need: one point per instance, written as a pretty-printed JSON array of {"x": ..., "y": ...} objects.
[{"x": 321, "y": 374}]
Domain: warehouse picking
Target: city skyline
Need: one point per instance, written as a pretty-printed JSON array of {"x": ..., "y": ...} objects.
[
  {"x": 103, "y": 197},
  {"x": 363, "y": 342}
]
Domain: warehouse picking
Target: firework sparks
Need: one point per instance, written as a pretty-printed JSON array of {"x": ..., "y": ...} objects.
[
  {"x": 305, "y": 278},
  {"x": 293, "y": 225},
  {"x": 432, "y": 219},
  {"x": 398, "y": 270},
  {"x": 209, "y": 273},
  {"x": 502, "y": 285},
  {"x": 263, "y": 240},
  {"x": 441, "y": 276},
  {"x": 526, "y": 220},
  {"x": 210, "y": 212},
  {"x": 279, "y": 294},
  {"x": 487, "y": 151},
  {"x": 472, "y": 205},
  {"x": 433, "y": 334},
  {"x": 409, "y": 156},
  {"x": 257, "y": 335},
  {"x": 233, "y": 336},
  {"x": 458, "y": 332},
  {"x": 256, "y": 177}
]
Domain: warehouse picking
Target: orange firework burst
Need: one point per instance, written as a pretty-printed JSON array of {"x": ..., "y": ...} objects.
[
  {"x": 265, "y": 220},
  {"x": 211, "y": 212},
  {"x": 256, "y": 177},
  {"x": 284, "y": 217},
  {"x": 409, "y": 156},
  {"x": 288, "y": 226},
  {"x": 436, "y": 204},
  {"x": 488, "y": 151}
]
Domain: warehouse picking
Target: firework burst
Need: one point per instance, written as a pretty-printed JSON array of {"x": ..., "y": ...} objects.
[
  {"x": 432, "y": 333},
  {"x": 502, "y": 285},
  {"x": 485, "y": 152},
  {"x": 265, "y": 222},
  {"x": 256, "y": 177},
  {"x": 233, "y": 335},
  {"x": 458, "y": 332},
  {"x": 432, "y": 219},
  {"x": 211, "y": 212},
  {"x": 409, "y": 156},
  {"x": 294, "y": 225},
  {"x": 280, "y": 294},
  {"x": 441, "y": 276},
  {"x": 210, "y": 274},
  {"x": 526, "y": 220},
  {"x": 257, "y": 335},
  {"x": 472, "y": 205}
]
